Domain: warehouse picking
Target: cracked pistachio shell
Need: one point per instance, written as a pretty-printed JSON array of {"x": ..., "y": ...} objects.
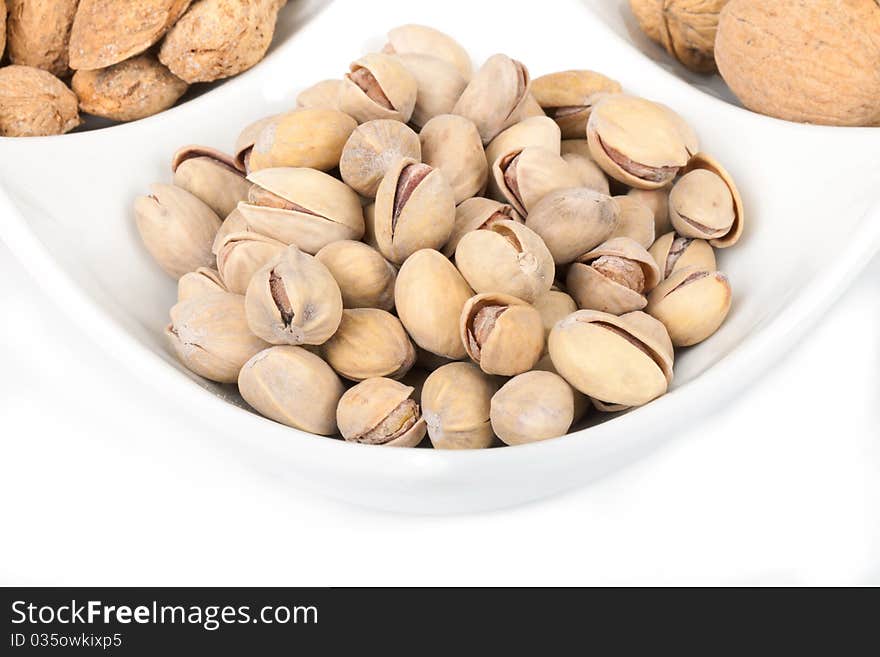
[
  {"x": 372, "y": 149},
  {"x": 476, "y": 213},
  {"x": 658, "y": 201},
  {"x": 211, "y": 336},
  {"x": 294, "y": 387},
  {"x": 507, "y": 257},
  {"x": 527, "y": 176},
  {"x": 307, "y": 138},
  {"x": 34, "y": 103},
  {"x": 293, "y": 299},
  {"x": 201, "y": 282},
  {"x": 321, "y": 95},
  {"x": 606, "y": 358},
  {"x": 177, "y": 228},
  {"x": 424, "y": 40},
  {"x": 304, "y": 207},
  {"x": 494, "y": 96},
  {"x": 502, "y": 334},
  {"x": 210, "y": 175},
  {"x": 653, "y": 333},
  {"x": 573, "y": 221},
  {"x": 234, "y": 223},
  {"x": 529, "y": 109},
  {"x": 369, "y": 343},
  {"x": 38, "y": 33},
  {"x": 577, "y": 153},
  {"x": 673, "y": 252},
  {"x": 703, "y": 200},
  {"x": 568, "y": 98},
  {"x": 455, "y": 404},
  {"x": 439, "y": 86},
  {"x": 452, "y": 144},
  {"x": 636, "y": 221},
  {"x": 553, "y": 306},
  {"x": 381, "y": 411},
  {"x": 531, "y": 407},
  {"x": 638, "y": 142},
  {"x": 378, "y": 86},
  {"x": 429, "y": 295},
  {"x": 614, "y": 277},
  {"x": 415, "y": 209},
  {"x": 366, "y": 279},
  {"x": 539, "y": 131},
  {"x": 241, "y": 255},
  {"x": 692, "y": 303},
  {"x": 244, "y": 144}
]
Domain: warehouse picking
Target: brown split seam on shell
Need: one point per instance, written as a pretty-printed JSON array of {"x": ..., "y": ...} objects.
[
  {"x": 634, "y": 341},
  {"x": 196, "y": 152},
  {"x": 411, "y": 176},
  {"x": 623, "y": 271},
  {"x": 676, "y": 250},
  {"x": 364, "y": 79},
  {"x": 641, "y": 171},
  {"x": 498, "y": 215},
  {"x": 279, "y": 296},
  {"x": 696, "y": 276},
  {"x": 481, "y": 326},
  {"x": 509, "y": 166},
  {"x": 266, "y": 199},
  {"x": 396, "y": 423},
  {"x": 706, "y": 230}
]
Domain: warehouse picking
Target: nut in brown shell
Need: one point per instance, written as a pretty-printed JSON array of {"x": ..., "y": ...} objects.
[
  {"x": 35, "y": 103},
  {"x": 39, "y": 31}
]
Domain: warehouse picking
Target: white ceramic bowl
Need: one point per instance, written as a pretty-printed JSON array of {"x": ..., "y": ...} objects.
[{"x": 65, "y": 209}]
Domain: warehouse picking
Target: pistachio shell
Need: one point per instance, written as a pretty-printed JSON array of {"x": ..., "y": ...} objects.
[
  {"x": 573, "y": 221},
  {"x": 365, "y": 278},
  {"x": 636, "y": 221},
  {"x": 380, "y": 411},
  {"x": 423, "y": 40},
  {"x": 429, "y": 296},
  {"x": 370, "y": 226},
  {"x": 540, "y": 131},
  {"x": 692, "y": 303},
  {"x": 658, "y": 201},
  {"x": 199, "y": 283},
  {"x": 241, "y": 255},
  {"x": 653, "y": 333},
  {"x": 439, "y": 86},
  {"x": 321, "y": 95},
  {"x": 177, "y": 229},
  {"x": 211, "y": 337},
  {"x": 452, "y": 144},
  {"x": 606, "y": 358},
  {"x": 308, "y": 138},
  {"x": 507, "y": 257},
  {"x": 577, "y": 153},
  {"x": 455, "y": 404},
  {"x": 372, "y": 149},
  {"x": 293, "y": 387},
  {"x": 34, "y": 103},
  {"x": 701, "y": 206},
  {"x": 553, "y": 307},
  {"x": 378, "y": 86},
  {"x": 211, "y": 176},
  {"x": 528, "y": 109},
  {"x": 672, "y": 252},
  {"x": 476, "y": 213},
  {"x": 531, "y": 407},
  {"x": 234, "y": 223},
  {"x": 244, "y": 144},
  {"x": 369, "y": 343},
  {"x": 527, "y": 176},
  {"x": 705, "y": 162},
  {"x": 494, "y": 96},
  {"x": 415, "y": 209},
  {"x": 502, "y": 334},
  {"x": 293, "y": 299},
  {"x": 568, "y": 98},
  {"x": 38, "y": 33}
]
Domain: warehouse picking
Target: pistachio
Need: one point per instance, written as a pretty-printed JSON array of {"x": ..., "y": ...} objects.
[
  {"x": 439, "y": 85},
  {"x": 34, "y": 103},
  {"x": 372, "y": 149},
  {"x": 494, "y": 96},
  {"x": 658, "y": 201},
  {"x": 568, "y": 97},
  {"x": 380, "y": 411},
  {"x": 529, "y": 109},
  {"x": 455, "y": 404},
  {"x": 531, "y": 407},
  {"x": 452, "y": 144},
  {"x": 638, "y": 142},
  {"x": 577, "y": 153},
  {"x": 304, "y": 207},
  {"x": 614, "y": 277},
  {"x": 537, "y": 131},
  {"x": 241, "y": 255},
  {"x": 211, "y": 336},
  {"x": 692, "y": 303},
  {"x": 321, "y": 95},
  {"x": 415, "y": 209},
  {"x": 608, "y": 359},
  {"x": 293, "y": 387},
  {"x": 705, "y": 203},
  {"x": 211, "y": 176},
  {"x": 423, "y": 40},
  {"x": 293, "y": 299},
  {"x": 234, "y": 223},
  {"x": 177, "y": 228},
  {"x": 474, "y": 214},
  {"x": 201, "y": 282},
  {"x": 106, "y": 32},
  {"x": 525, "y": 177},
  {"x": 365, "y": 278},
  {"x": 369, "y": 343},
  {"x": 244, "y": 144},
  {"x": 673, "y": 252},
  {"x": 636, "y": 221},
  {"x": 501, "y": 333},
  {"x": 39, "y": 33},
  {"x": 308, "y": 138},
  {"x": 506, "y": 257},
  {"x": 378, "y": 86},
  {"x": 553, "y": 307},
  {"x": 429, "y": 295},
  {"x": 573, "y": 221}
]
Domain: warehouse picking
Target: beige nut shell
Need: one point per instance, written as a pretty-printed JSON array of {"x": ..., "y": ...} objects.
[
  {"x": 692, "y": 303},
  {"x": 636, "y": 221},
  {"x": 395, "y": 80},
  {"x": 538, "y": 172},
  {"x": 696, "y": 253},
  {"x": 495, "y": 95},
  {"x": 210, "y": 175},
  {"x": 706, "y": 162},
  {"x": 366, "y": 279},
  {"x": 241, "y": 255},
  {"x": 540, "y": 131},
  {"x": 452, "y": 144},
  {"x": 307, "y": 138},
  {"x": 439, "y": 85},
  {"x": 531, "y": 407},
  {"x": 369, "y": 343},
  {"x": 568, "y": 97},
  {"x": 199, "y": 283},
  {"x": 456, "y": 400},
  {"x": 424, "y": 40},
  {"x": 365, "y": 406},
  {"x": 515, "y": 343},
  {"x": 372, "y": 149},
  {"x": 577, "y": 153},
  {"x": 321, "y": 95},
  {"x": 475, "y": 213}
]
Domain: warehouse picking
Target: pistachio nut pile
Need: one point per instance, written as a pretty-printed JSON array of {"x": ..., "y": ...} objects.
[{"x": 419, "y": 248}]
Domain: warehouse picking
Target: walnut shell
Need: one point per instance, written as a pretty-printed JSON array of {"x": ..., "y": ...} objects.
[
  {"x": 35, "y": 103},
  {"x": 39, "y": 31},
  {"x": 813, "y": 62}
]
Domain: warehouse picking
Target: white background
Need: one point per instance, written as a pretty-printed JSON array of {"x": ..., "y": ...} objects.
[{"x": 102, "y": 484}]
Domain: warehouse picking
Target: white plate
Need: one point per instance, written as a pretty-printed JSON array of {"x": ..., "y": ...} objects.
[{"x": 65, "y": 209}]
